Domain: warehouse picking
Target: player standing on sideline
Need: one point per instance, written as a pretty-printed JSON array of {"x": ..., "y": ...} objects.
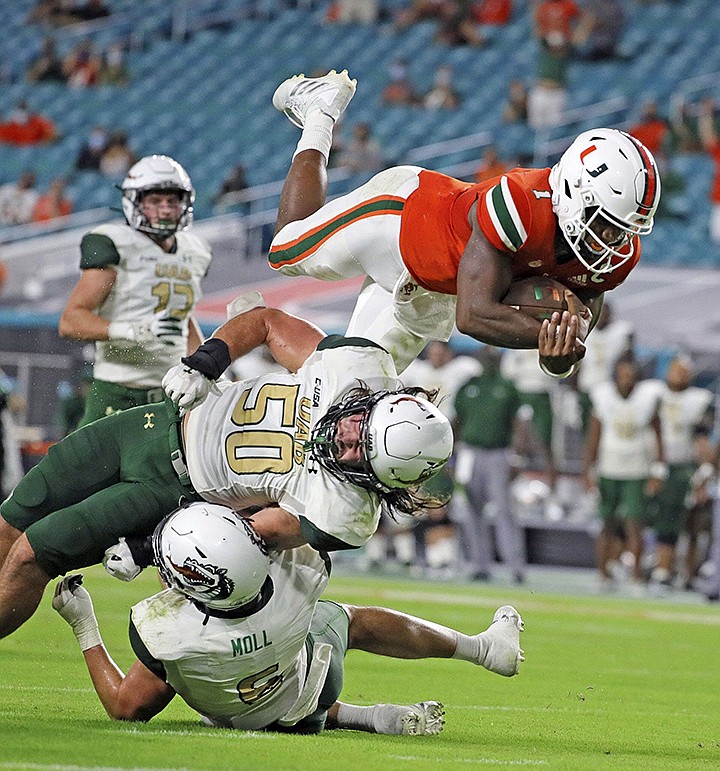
[
  {"x": 684, "y": 410},
  {"x": 314, "y": 451},
  {"x": 140, "y": 282},
  {"x": 243, "y": 637},
  {"x": 625, "y": 441},
  {"x": 437, "y": 251}
]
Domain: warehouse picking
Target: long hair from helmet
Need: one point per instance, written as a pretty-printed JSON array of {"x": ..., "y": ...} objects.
[{"x": 398, "y": 497}]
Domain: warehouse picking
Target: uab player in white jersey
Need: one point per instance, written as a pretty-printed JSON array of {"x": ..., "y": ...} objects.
[
  {"x": 315, "y": 453},
  {"x": 140, "y": 282},
  {"x": 243, "y": 638}
]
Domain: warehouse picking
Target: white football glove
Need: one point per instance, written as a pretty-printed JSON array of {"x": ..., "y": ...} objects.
[
  {"x": 160, "y": 327},
  {"x": 119, "y": 562},
  {"x": 74, "y": 604},
  {"x": 187, "y": 387}
]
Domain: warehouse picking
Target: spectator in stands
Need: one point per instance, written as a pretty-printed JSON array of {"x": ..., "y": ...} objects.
[
  {"x": 17, "y": 200},
  {"x": 487, "y": 408},
  {"x": 26, "y": 127},
  {"x": 457, "y": 26},
  {"x": 422, "y": 10},
  {"x": 492, "y": 11},
  {"x": 711, "y": 144},
  {"x": 113, "y": 71},
  {"x": 515, "y": 109},
  {"x": 47, "y": 67},
  {"x": 684, "y": 136},
  {"x": 82, "y": 64},
  {"x": 547, "y": 98},
  {"x": 555, "y": 21},
  {"x": 353, "y": 11},
  {"x": 442, "y": 95},
  {"x": 491, "y": 165},
  {"x": 624, "y": 459},
  {"x": 3, "y": 276},
  {"x": 235, "y": 181},
  {"x": 684, "y": 409},
  {"x": 600, "y": 29},
  {"x": 117, "y": 157},
  {"x": 362, "y": 153},
  {"x": 400, "y": 89},
  {"x": 54, "y": 203},
  {"x": 91, "y": 152},
  {"x": 554, "y": 25},
  {"x": 653, "y": 131}
]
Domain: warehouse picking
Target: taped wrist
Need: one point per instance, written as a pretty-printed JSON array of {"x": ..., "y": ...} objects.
[{"x": 211, "y": 359}]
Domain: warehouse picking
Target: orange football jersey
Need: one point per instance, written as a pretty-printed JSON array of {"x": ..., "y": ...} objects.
[{"x": 516, "y": 216}]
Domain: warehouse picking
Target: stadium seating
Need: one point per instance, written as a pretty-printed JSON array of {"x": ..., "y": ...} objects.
[{"x": 204, "y": 96}]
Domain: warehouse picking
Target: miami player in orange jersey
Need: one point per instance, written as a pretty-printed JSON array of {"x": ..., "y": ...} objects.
[{"x": 437, "y": 251}]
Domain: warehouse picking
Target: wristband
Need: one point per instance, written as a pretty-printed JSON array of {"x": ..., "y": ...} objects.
[
  {"x": 555, "y": 374},
  {"x": 659, "y": 470},
  {"x": 211, "y": 359}
]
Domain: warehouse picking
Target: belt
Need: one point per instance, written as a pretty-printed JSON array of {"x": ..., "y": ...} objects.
[{"x": 177, "y": 450}]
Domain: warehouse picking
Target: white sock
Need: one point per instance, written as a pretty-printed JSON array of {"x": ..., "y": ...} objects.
[
  {"x": 356, "y": 718},
  {"x": 317, "y": 134},
  {"x": 470, "y": 648}
]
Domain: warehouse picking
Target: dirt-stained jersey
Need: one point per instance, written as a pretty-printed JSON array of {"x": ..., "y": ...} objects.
[
  {"x": 247, "y": 446},
  {"x": 238, "y": 672},
  {"x": 149, "y": 281},
  {"x": 516, "y": 216}
]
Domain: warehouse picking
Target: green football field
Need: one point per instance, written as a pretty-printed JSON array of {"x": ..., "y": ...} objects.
[{"x": 608, "y": 682}]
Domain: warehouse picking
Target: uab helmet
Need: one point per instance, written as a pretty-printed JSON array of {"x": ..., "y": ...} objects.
[
  {"x": 404, "y": 439},
  {"x": 606, "y": 177},
  {"x": 157, "y": 172},
  {"x": 211, "y": 555}
]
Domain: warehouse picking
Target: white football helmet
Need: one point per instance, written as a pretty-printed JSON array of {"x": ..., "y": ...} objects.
[
  {"x": 211, "y": 555},
  {"x": 605, "y": 182},
  {"x": 157, "y": 172},
  {"x": 405, "y": 440}
]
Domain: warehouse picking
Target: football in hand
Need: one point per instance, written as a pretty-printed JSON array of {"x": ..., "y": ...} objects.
[{"x": 540, "y": 296}]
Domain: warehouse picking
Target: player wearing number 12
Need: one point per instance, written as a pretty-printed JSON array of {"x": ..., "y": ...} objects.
[
  {"x": 314, "y": 452},
  {"x": 140, "y": 282}
]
